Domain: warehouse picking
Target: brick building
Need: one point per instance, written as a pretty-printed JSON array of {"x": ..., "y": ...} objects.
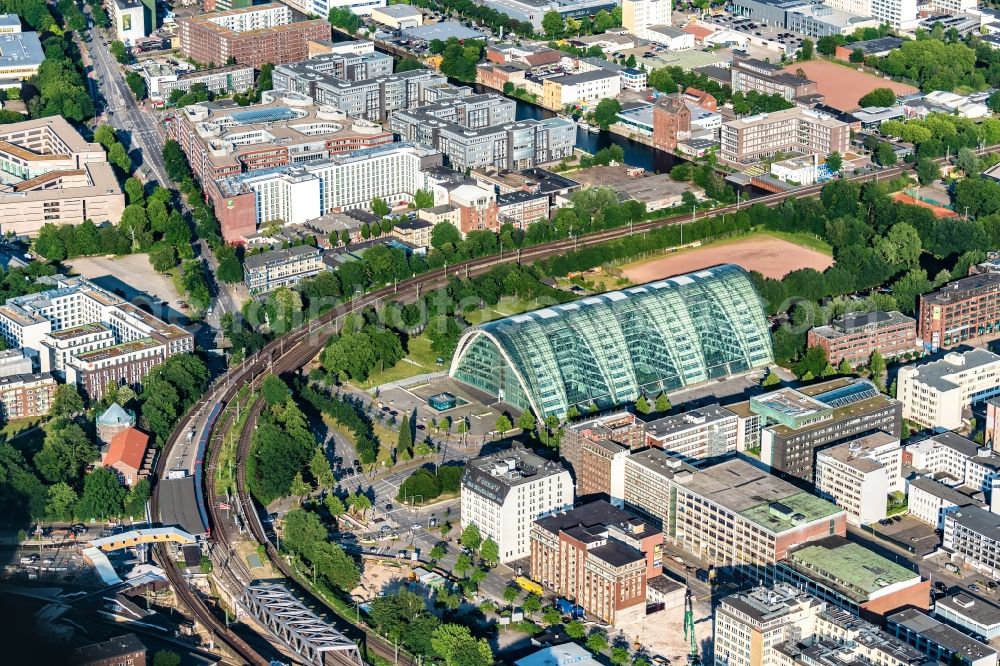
[
  {"x": 251, "y": 36},
  {"x": 855, "y": 335},
  {"x": 127, "y": 456},
  {"x": 125, "y": 650},
  {"x": 960, "y": 310},
  {"x": 28, "y": 395},
  {"x": 595, "y": 453},
  {"x": 751, "y": 74},
  {"x": 598, "y": 556},
  {"x": 753, "y": 138},
  {"x": 671, "y": 121}
]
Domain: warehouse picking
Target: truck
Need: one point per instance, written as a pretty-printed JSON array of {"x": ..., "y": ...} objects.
[
  {"x": 952, "y": 567},
  {"x": 177, "y": 474},
  {"x": 529, "y": 585},
  {"x": 567, "y": 607}
]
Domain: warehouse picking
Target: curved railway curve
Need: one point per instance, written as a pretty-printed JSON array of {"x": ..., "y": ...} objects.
[{"x": 294, "y": 349}]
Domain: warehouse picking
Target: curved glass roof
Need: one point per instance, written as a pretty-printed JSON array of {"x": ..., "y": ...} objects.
[{"x": 610, "y": 348}]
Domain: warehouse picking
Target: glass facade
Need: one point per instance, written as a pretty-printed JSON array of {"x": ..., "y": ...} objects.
[{"x": 609, "y": 348}]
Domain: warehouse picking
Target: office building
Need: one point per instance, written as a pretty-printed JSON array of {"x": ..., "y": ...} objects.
[
  {"x": 959, "y": 311},
  {"x": 132, "y": 20},
  {"x": 563, "y": 654},
  {"x": 222, "y": 140},
  {"x": 295, "y": 194},
  {"x": 122, "y": 650},
  {"x": 950, "y": 457},
  {"x": 855, "y": 335},
  {"x": 266, "y": 271},
  {"x": 533, "y": 11},
  {"x": 975, "y": 615},
  {"x": 852, "y": 577},
  {"x": 638, "y": 15},
  {"x": 504, "y": 493},
  {"x": 232, "y": 78},
  {"x": 397, "y": 17},
  {"x": 753, "y": 138},
  {"x": 973, "y": 534},
  {"x": 931, "y": 501},
  {"x": 131, "y": 343},
  {"x": 52, "y": 175},
  {"x": 934, "y": 394},
  {"x": 251, "y": 36},
  {"x": 28, "y": 395},
  {"x": 697, "y": 435},
  {"x": 584, "y": 89},
  {"x": 599, "y": 557},
  {"x": 749, "y": 624},
  {"x": 859, "y": 475},
  {"x": 522, "y": 208},
  {"x": 20, "y": 56},
  {"x": 416, "y": 232},
  {"x": 304, "y": 77},
  {"x": 588, "y": 357},
  {"x": 730, "y": 514},
  {"x": 749, "y": 74},
  {"x": 937, "y": 640},
  {"x": 797, "y": 422}
]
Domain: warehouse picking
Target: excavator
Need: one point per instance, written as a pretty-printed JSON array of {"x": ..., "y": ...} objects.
[{"x": 693, "y": 658}]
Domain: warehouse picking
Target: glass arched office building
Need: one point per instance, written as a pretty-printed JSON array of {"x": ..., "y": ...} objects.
[{"x": 609, "y": 348}]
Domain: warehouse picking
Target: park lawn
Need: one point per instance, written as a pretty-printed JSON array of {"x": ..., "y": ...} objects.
[
  {"x": 421, "y": 359},
  {"x": 803, "y": 239},
  {"x": 506, "y": 307},
  {"x": 14, "y": 427}
]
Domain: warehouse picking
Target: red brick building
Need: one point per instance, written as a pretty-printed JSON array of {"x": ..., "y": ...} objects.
[
  {"x": 126, "y": 455},
  {"x": 701, "y": 98},
  {"x": 855, "y": 335},
  {"x": 251, "y": 36},
  {"x": 598, "y": 556},
  {"x": 960, "y": 310},
  {"x": 127, "y": 649},
  {"x": 671, "y": 121}
]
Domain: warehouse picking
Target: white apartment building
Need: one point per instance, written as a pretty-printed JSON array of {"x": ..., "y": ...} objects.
[
  {"x": 931, "y": 501},
  {"x": 900, "y": 14},
  {"x": 129, "y": 20},
  {"x": 267, "y": 16},
  {"x": 935, "y": 394},
  {"x": 585, "y": 88},
  {"x": 705, "y": 432},
  {"x": 322, "y": 7},
  {"x": 858, "y": 475},
  {"x": 639, "y": 15},
  {"x": 291, "y": 197},
  {"x": 503, "y": 493},
  {"x": 961, "y": 461},
  {"x": 973, "y": 534}
]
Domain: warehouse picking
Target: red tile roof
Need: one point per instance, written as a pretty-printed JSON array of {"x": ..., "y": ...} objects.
[
  {"x": 698, "y": 31},
  {"x": 127, "y": 447}
]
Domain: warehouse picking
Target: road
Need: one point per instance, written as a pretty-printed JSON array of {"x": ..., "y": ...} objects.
[{"x": 119, "y": 109}]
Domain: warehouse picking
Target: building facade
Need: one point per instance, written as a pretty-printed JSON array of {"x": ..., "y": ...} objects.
[
  {"x": 935, "y": 394},
  {"x": 940, "y": 642},
  {"x": 233, "y": 78},
  {"x": 27, "y": 395},
  {"x": 960, "y": 311},
  {"x": 753, "y": 138},
  {"x": 859, "y": 475},
  {"x": 267, "y": 271},
  {"x": 671, "y": 122},
  {"x": 251, "y": 36},
  {"x": 599, "y": 557},
  {"x": 973, "y": 534},
  {"x": 854, "y": 336},
  {"x": 763, "y": 77},
  {"x": 504, "y": 493}
]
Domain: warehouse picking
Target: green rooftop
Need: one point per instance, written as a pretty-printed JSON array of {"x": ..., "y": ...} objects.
[
  {"x": 848, "y": 566},
  {"x": 788, "y": 512}
]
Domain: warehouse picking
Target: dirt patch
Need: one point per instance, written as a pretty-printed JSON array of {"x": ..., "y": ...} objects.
[
  {"x": 772, "y": 257},
  {"x": 844, "y": 86}
]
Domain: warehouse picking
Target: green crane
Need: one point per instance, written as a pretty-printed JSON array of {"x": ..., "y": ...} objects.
[{"x": 693, "y": 658}]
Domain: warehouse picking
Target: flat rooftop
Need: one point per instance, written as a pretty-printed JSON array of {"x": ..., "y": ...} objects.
[
  {"x": 941, "y": 634},
  {"x": 20, "y": 49},
  {"x": 443, "y": 31},
  {"x": 966, "y": 287},
  {"x": 764, "y": 499},
  {"x": 936, "y": 374},
  {"x": 977, "y": 609},
  {"x": 849, "y": 567}
]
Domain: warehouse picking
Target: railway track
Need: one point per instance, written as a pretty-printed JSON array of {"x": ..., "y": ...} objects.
[{"x": 294, "y": 349}]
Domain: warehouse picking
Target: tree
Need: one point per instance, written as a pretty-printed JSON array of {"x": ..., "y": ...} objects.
[
  {"x": 901, "y": 246},
  {"x": 857, "y": 56},
  {"x": 405, "y": 441},
  {"x": 489, "y": 552},
  {"x": 503, "y": 424},
  {"x": 526, "y": 421},
  {"x": 61, "y": 502},
  {"x": 299, "y": 487},
  {"x": 642, "y": 405},
  {"x": 575, "y": 629},
  {"x": 319, "y": 467},
  {"x": 619, "y": 654},
  {"x": 162, "y": 257},
  {"x": 422, "y": 198},
  {"x": 607, "y": 111},
  {"x": 65, "y": 453},
  {"x": 553, "y": 24},
  {"x": 805, "y": 51},
  {"x": 462, "y": 564},
  {"x": 884, "y": 154},
  {"x": 927, "y": 171},
  {"x": 828, "y": 45},
  {"x": 663, "y": 403},
  {"x": 334, "y": 505},
  {"x": 359, "y": 503},
  {"x": 134, "y": 190},
  {"x": 471, "y": 537},
  {"x": 166, "y": 658},
  {"x": 772, "y": 379},
  {"x": 66, "y": 402},
  {"x": 967, "y": 162},
  {"x": 380, "y": 207},
  {"x": 455, "y": 644},
  {"x": 120, "y": 158},
  {"x": 597, "y": 641},
  {"x": 136, "y": 498},
  {"x": 876, "y": 367},
  {"x": 230, "y": 269},
  {"x": 883, "y": 97},
  {"x": 844, "y": 368},
  {"x": 531, "y": 604},
  {"x": 444, "y": 234},
  {"x": 274, "y": 390},
  {"x": 511, "y": 593},
  {"x": 834, "y": 162},
  {"x": 103, "y": 496}
]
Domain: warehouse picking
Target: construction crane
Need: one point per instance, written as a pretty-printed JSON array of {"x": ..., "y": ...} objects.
[{"x": 693, "y": 658}]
